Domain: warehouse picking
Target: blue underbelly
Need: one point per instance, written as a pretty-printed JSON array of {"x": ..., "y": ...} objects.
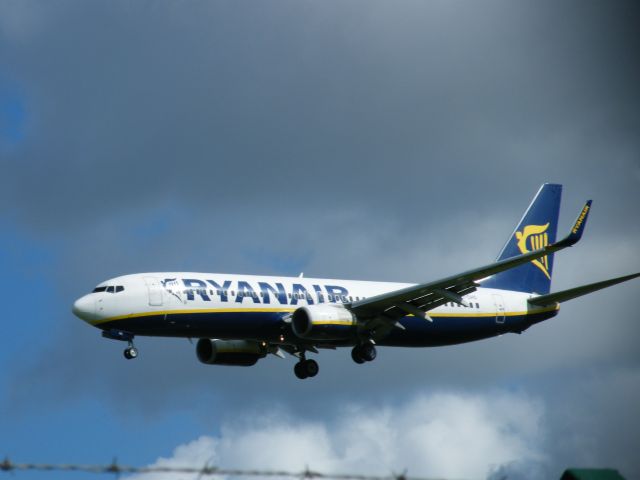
[
  {"x": 451, "y": 330},
  {"x": 236, "y": 325},
  {"x": 269, "y": 326}
]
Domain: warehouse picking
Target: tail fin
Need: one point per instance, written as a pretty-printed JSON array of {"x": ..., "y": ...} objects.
[{"x": 536, "y": 229}]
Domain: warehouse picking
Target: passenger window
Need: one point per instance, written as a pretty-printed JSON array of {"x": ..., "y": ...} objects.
[{"x": 330, "y": 297}]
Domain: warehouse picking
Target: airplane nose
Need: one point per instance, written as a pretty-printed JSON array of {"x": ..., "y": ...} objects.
[{"x": 84, "y": 308}]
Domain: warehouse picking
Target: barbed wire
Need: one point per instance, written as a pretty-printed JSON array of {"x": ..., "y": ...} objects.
[{"x": 116, "y": 469}]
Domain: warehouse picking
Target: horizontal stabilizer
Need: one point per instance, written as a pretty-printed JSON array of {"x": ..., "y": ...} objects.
[{"x": 550, "y": 299}]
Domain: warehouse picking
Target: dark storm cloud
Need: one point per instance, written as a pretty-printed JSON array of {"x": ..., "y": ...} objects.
[{"x": 305, "y": 103}]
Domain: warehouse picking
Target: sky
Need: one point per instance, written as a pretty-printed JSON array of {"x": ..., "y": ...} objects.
[{"x": 395, "y": 141}]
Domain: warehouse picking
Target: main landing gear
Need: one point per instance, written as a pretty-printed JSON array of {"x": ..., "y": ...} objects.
[
  {"x": 306, "y": 368},
  {"x": 361, "y": 353},
  {"x": 364, "y": 352}
]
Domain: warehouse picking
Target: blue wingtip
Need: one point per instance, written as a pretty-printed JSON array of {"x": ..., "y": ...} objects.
[{"x": 580, "y": 223}]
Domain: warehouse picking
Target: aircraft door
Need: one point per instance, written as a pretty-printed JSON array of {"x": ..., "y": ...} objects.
[
  {"x": 499, "y": 303},
  {"x": 155, "y": 291}
]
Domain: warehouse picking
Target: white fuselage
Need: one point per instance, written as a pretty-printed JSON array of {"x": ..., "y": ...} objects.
[{"x": 189, "y": 304}]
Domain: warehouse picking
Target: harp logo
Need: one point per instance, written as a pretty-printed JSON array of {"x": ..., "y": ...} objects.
[
  {"x": 172, "y": 286},
  {"x": 534, "y": 237}
]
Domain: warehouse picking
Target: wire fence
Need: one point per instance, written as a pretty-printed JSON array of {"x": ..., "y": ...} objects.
[{"x": 116, "y": 469}]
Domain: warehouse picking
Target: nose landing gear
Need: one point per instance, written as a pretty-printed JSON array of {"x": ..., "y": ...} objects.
[{"x": 131, "y": 351}]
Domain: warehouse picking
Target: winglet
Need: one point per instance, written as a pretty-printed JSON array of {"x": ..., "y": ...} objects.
[{"x": 578, "y": 227}]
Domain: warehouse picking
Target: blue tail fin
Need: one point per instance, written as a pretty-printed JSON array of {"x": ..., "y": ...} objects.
[{"x": 537, "y": 229}]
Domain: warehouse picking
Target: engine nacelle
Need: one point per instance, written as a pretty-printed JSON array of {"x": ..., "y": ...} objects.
[
  {"x": 324, "y": 322},
  {"x": 229, "y": 352}
]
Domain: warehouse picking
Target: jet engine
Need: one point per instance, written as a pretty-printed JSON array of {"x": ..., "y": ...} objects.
[
  {"x": 229, "y": 352},
  {"x": 324, "y": 322}
]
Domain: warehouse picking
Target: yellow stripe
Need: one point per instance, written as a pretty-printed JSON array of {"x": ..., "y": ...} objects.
[
  {"x": 506, "y": 314},
  {"x": 195, "y": 310},
  {"x": 289, "y": 310},
  {"x": 335, "y": 322}
]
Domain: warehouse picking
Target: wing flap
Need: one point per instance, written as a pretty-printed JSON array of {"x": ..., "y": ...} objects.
[{"x": 430, "y": 301}]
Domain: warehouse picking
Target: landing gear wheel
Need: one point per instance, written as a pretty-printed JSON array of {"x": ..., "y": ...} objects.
[
  {"x": 306, "y": 368},
  {"x": 368, "y": 352},
  {"x": 130, "y": 353},
  {"x": 300, "y": 371},
  {"x": 356, "y": 356},
  {"x": 311, "y": 367},
  {"x": 365, "y": 352}
]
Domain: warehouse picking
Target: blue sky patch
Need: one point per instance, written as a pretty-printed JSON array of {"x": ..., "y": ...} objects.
[{"x": 13, "y": 116}]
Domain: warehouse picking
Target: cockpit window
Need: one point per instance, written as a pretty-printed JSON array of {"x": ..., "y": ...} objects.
[{"x": 109, "y": 289}]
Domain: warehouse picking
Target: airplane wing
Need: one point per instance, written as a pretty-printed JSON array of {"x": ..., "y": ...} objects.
[
  {"x": 419, "y": 299},
  {"x": 563, "y": 296}
]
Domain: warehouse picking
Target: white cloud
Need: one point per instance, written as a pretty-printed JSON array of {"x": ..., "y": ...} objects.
[{"x": 448, "y": 435}]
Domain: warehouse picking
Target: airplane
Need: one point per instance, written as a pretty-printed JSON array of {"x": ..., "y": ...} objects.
[{"x": 240, "y": 319}]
